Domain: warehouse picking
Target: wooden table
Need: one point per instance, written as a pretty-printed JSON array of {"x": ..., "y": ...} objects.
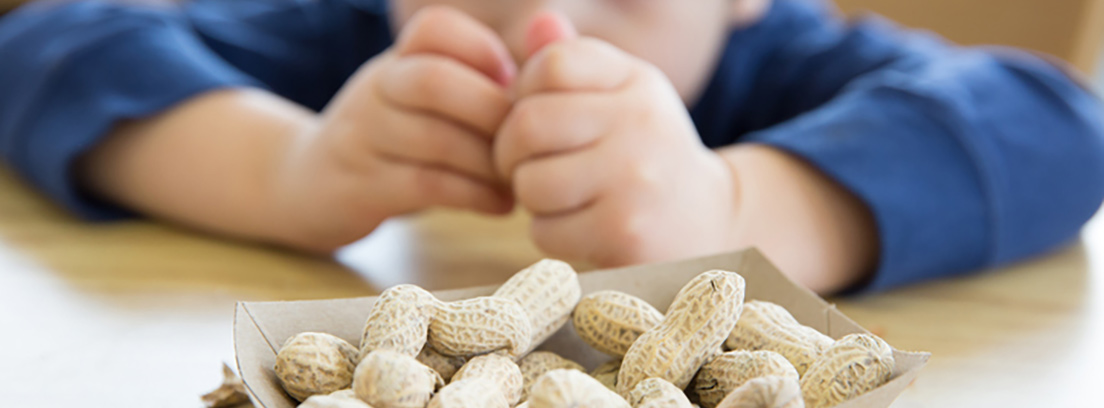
[{"x": 139, "y": 314}]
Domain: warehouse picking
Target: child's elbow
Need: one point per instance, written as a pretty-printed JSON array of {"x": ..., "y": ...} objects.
[
  {"x": 1089, "y": 137},
  {"x": 1079, "y": 134},
  {"x": 1055, "y": 167}
]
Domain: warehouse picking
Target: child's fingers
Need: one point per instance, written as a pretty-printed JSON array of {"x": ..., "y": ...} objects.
[
  {"x": 596, "y": 234},
  {"x": 567, "y": 236},
  {"x": 449, "y": 32},
  {"x": 583, "y": 64},
  {"x": 443, "y": 86},
  {"x": 417, "y": 187},
  {"x": 434, "y": 141},
  {"x": 547, "y": 124},
  {"x": 547, "y": 28},
  {"x": 560, "y": 184}
]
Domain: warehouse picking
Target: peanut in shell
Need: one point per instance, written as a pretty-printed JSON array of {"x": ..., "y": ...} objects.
[
  {"x": 853, "y": 365},
  {"x": 699, "y": 320},
  {"x": 610, "y": 321},
  {"x": 657, "y": 393},
  {"x": 390, "y": 379},
  {"x": 732, "y": 369},
  {"x": 771, "y": 391},
  {"x": 572, "y": 388},
  {"x": 768, "y": 326},
  {"x": 315, "y": 364},
  {"x": 548, "y": 291},
  {"x": 479, "y": 326},
  {"x": 536, "y": 364}
]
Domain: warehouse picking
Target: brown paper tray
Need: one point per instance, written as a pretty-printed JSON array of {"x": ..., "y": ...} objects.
[{"x": 261, "y": 327}]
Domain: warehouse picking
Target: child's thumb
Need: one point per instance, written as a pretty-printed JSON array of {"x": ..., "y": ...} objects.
[{"x": 546, "y": 28}]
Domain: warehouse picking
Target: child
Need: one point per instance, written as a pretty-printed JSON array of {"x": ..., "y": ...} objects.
[{"x": 873, "y": 157}]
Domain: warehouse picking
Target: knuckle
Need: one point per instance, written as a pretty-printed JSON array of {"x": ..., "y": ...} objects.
[
  {"x": 555, "y": 69},
  {"x": 642, "y": 176},
  {"x": 429, "y": 18},
  {"x": 424, "y": 80},
  {"x": 431, "y": 76},
  {"x": 629, "y": 235},
  {"x": 526, "y": 118},
  {"x": 433, "y": 140}
]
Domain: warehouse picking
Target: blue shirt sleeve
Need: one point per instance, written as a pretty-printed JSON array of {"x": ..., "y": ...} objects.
[
  {"x": 966, "y": 158},
  {"x": 69, "y": 72}
]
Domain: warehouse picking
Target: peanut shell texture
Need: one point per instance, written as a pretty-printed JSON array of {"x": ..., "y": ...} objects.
[
  {"x": 479, "y": 326},
  {"x": 399, "y": 321},
  {"x": 548, "y": 291},
  {"x": 610, "y": 321},
  {"x": 390, "y": 379},
  {"x": 698, "y": 321},
  {"x": 537, "y": 363},
  {"x": 853, "y": 365},
  {"x": 571, "y": 388},
  {"x": 470, "y": 393},
  {"x": 498, "y": 370},
  {"x": 345, "y": 398},
  {"x": 766, "y": 392},
  {"x": 606, "y": 373},
  {"x": 732, "y": 369},
  {"x": 444, "y": 365},
  {"x": 768, "y": 326},
  {"x": 658, "y": 393},
  {"x": 315, "y": 363}
]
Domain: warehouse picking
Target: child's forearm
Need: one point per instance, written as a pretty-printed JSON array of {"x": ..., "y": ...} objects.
[
  {"x": 814, "y": 229},
  {"x": 209, "y": 163}
]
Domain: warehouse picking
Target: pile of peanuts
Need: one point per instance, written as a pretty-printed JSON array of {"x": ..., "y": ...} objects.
[{"x": 710, "y": 350}]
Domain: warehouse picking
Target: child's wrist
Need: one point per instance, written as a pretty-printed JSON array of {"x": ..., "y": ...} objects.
[
  {"x": 294, "y": 189},
  {"x": 812, "y": 227}
]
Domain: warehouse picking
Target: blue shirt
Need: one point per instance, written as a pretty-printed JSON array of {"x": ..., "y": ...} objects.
[{"x": 967, "y": 158}]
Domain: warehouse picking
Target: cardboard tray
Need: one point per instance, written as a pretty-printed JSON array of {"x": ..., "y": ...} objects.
[{"x": 261, "y": 327}]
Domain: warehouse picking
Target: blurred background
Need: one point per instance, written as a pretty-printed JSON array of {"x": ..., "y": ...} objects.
[{"x": 1071, "y": 30}]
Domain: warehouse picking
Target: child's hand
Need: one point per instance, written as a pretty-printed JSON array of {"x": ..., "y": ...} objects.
[
  {"x": 600, "y": 148},
  {"x": 412, "y": 129}
]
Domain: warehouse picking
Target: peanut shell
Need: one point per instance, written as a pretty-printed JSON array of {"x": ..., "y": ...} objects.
[
  {"x": 345, "y": 398},
  {"x": 478, "y": 392},
  {"x": 548, "y": 291},
  {"x": 766, "y": 392},
  {"x": 767, "y": 326},
  {"x": 657, "y": 393},
  {"x": 399, "y": 321},
  {"x": 479, "y": 326},
  {"x": 315, "y": 363},
  {"x": 853, "y": 365},
  {"x": 701, "y": 316},
  {"x": 537, "y": 363},
  {"x": 571, "y": 388},
  {"x": 499, "y": 370},
  {"x": 390, "y": 379},
  {"x": 606, "y": 373},
  {"x": 610, "y": 321},
  {"x": 730, "y": 370},
  {"x": 444, "y": 365}
]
